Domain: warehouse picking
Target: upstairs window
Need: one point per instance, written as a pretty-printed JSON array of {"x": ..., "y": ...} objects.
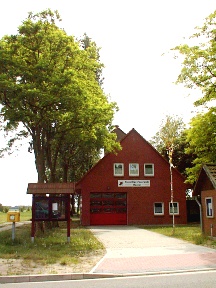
[
  {"x": 133, "y": 169},
  {"x": 118, "y": 169},
  {"x": 149, "y": 169}
]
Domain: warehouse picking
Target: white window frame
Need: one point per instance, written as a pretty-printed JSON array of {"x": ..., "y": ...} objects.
[
  {"x": 170, "y": 208},
  {"x": 147, "y": 174},
  {"x": 159, "y": 213},
  {"x": 114, "y": 169},
  {"x": 133, "y": 167},
  {"x": 209, "y": 207}
]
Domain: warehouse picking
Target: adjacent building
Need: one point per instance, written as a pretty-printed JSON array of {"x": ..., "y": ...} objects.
[{"x": 205, "y": 191}]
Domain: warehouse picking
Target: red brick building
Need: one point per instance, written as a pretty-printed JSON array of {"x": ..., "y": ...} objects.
[
  {"x": 132, "y": 187},
  {"x": 205, "y": 190}
]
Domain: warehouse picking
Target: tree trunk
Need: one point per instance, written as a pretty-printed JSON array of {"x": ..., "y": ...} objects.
[
  {"x": 65, "y": 172},
  {"x": 37, "y": 137}
]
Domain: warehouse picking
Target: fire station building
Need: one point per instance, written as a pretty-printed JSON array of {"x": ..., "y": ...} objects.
[{"x": 132, "y": 187}]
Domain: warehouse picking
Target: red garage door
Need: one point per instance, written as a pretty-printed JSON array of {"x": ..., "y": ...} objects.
[{"x": 108, "y": 208}]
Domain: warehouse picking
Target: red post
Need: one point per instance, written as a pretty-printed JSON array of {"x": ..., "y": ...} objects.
[
  {"x": 33, "y": 219},
  {"x": 68, "y": 217}
]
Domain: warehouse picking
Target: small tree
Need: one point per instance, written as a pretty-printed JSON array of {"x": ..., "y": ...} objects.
[{"x": 170, "y": 131}]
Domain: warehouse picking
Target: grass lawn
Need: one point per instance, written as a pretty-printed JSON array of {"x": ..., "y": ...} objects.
[
  {"x": 52, "y": 247},
  {"x": 190, "y": 233},
  {"x": 24, "y": 216},
  {"x": 49, "y": 247}
]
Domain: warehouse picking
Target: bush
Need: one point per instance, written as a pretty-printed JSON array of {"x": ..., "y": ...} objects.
[{"x": 5, "y": 209}]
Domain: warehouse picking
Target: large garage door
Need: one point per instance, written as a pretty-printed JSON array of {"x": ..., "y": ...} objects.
[{"x": 108, "y": 208}]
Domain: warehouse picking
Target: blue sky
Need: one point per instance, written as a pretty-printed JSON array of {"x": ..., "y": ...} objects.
[{"x": 133, "y": 36}]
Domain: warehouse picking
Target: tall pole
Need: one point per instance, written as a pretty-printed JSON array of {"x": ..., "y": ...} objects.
[
  {"x": 171, "y": 187},
  {"x": 13, "y": 230}
]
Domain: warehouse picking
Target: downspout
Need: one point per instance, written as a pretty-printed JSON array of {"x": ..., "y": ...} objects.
[{"x": 200, "y": 208}]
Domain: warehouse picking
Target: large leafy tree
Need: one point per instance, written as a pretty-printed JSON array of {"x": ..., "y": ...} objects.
[
  {"x": 49, "y": 84},
  {"x": 90, "y": 46},
  {"x": 199, "y": 64},
  {"x": 199, "y": 71},
  {"x": 202, "y": 138}
]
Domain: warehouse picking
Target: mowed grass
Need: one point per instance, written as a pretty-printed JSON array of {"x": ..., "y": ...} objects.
[
  {"x": 24, "y": 216},
  {"x": 190, "y": 233},
  {"x": 49, "y": 247}
]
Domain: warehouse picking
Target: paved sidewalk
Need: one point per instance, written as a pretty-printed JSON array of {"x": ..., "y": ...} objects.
[{"x": 134, "y": 250}]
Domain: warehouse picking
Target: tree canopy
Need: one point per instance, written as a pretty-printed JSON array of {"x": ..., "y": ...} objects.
[
  {"x": 202, "y": 138},
  {"x": 199, "y": 71},
  {"x": 165, "y": 140},
  {"x": 171, "y": 135},
  {"x": 51, "y": 85},
  {"x": 199, "y": 64},
  {"x": 170, "y": 130}
]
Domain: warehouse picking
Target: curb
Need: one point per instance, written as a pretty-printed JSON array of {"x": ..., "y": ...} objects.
[
  {"x": 82, "y": 276},
  {"x": 53, "y": 277}
]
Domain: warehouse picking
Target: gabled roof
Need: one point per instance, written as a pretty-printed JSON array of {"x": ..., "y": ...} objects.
[
  {"x": 121, "y": 141},
  {"x": 119, "y": 133},
  {"x": 208, "y": 171}
]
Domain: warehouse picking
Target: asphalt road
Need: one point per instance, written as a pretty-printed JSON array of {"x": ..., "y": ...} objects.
[{"x": 187, "y": 280}]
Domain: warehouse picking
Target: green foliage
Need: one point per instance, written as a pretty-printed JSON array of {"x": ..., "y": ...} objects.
[
  {"x": 199, "y": 65},
  {"x": 202, "y": 138},
  {"x": 93, "y": 51},
  {"x": 172, "y": 134},
  {"x": 26, "y": 215},
  {"x": 6, "y": 209},
  {"x": 170, "y": 130},
  {"x": 199, "y": 71},
  {"x": 51, "y": 85}
]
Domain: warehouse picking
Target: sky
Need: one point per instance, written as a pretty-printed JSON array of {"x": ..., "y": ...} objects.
[{"x": 135, "y": 37}]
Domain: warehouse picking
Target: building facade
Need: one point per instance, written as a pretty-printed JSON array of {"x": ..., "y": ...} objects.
[
  {"x": 132, "y": 187},
  {"x": 205, "y": 191}
]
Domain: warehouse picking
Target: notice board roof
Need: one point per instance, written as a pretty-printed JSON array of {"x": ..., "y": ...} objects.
[{"x": 51, "y": 188}]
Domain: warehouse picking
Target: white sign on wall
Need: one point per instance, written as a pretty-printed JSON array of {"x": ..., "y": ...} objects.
[{"x": 133, "y": 183}]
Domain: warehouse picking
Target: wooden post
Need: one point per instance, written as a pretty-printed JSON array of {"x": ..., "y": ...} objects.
[
  {"x": 68, "y": 217},
  {"x": 33, "y": 219}
]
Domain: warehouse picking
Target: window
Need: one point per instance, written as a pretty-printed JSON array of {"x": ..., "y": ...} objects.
[
  {"x": 176, "y": 208},
  {"x": 42, "y": 208},
  {"x": 133, "y": 169},
  {"x": 118, "y": 169},
  {"x": 209, "y": 207},
  {"x": 149, "y": 169},
  {"x": 159, "y": 208}
]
